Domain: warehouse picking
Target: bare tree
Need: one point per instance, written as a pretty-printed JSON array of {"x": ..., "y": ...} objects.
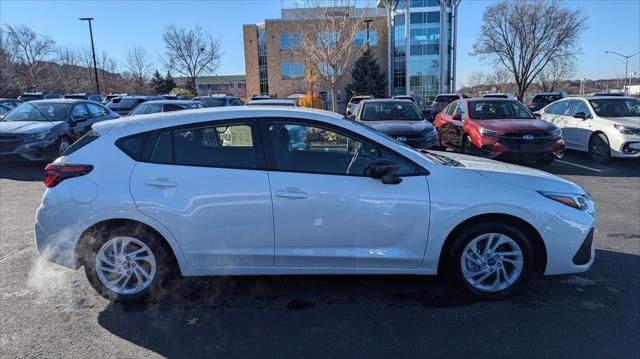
[
  {"x": 138, "y": 66},
  {"x": 191, "y": 52},
  {"x": 525, "y": 36},
  {"x": 500, "y": 79},
  {"x": 328, "y": 29},
  {"x": 32, "y": 51},
  {"x": 475, "y": 81},
  {"x": 554, "y": 75},
  {"x": 8, "y": 71}
]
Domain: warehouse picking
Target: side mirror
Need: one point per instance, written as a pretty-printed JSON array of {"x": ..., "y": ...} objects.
[
  {"x": 457, "y": 117},
  {"x": 537, "y": 115},
  {"x": 580, "y": 115},
  {"x": 383, "y": 169}
]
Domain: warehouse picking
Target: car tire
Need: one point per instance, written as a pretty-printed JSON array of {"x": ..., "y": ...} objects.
[
  {"x": 158, "y": 264},
  {"x": 599, "y": 148},
  {"x": 509, "y": 264},
  {"x": 468, "y": 148}
]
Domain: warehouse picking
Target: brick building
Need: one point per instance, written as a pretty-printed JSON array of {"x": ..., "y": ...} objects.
[{"x": 274, "y": 65}]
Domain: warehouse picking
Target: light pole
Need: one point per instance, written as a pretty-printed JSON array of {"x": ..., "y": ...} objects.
[
  {"x": 626, "y": 66},
  {"x": 93, "y": 51}
]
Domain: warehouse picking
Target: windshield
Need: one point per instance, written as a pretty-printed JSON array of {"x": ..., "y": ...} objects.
[
  {"x": 498, "y": 110},
  {"x": 29, "y": 111},
  {"x": 388, "y": 111},
  {"x": 143, "y": 109},
  {"x": 213, "y": 102},
  {"x": 616, "y": 107},
  {"x": 546, "y": 98},
  {"x": 446, "y": 99}
]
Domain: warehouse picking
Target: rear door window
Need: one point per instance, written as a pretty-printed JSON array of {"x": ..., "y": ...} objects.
[{"x": 96, "y": 110}]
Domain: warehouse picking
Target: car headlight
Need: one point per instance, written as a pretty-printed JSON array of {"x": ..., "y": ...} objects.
[
  {"x": 487, "y": 133},
  {"x": 627, "y": 130},
  {"x": 577, "y": 201},
  {"x": 556, "y": 133}
]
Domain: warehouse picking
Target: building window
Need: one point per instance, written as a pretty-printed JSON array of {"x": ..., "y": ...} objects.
[
  {"x": 327, "y": 39},
  {"x": 292, "y": 71},
  {"x": 290, "y": 40},
  {"x": 361, "y": 38},
  {"x": 326, "y": 70},
  {"x": 262, "y": 62}
]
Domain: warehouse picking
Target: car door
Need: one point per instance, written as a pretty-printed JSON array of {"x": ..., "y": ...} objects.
[
  {"x": 328, "y": 214},
  {"x": 576, "y": 131},
  {"x": 207, "y": 184},
  {"x": 457, "y": 124},
  {"x": 443, "y": 125},
  {"x": 80, "y": 122}
]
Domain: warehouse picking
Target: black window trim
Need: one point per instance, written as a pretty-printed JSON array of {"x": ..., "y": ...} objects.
[
  {"x": 269, "y": 155},
  {"x": 152, "y": 135}
]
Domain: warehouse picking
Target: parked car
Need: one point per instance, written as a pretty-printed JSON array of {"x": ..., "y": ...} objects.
[
  {"x": 271, "y": 102},
  {"x": 42, "y": 130},
  {"x": 218, "y": 100},
  {"x": 170, "y": 96},
  {"x": 31, "y": 96},
  {"x": 441, "y": 101},
  {"x": 96, "y": 97},
  {"x": 222, "y": 192},
  {"x": 609, "y": 94},
  {"x": 500, "y": 129},
  {"x": 355, "y": 100},
  {"x": 9, "y": 102},
  {"x": 125, "y": 104},
  {"x": 604, "y": 126},
  {"x": 506, "y": 95},
  {"x": 157, "y": 106},
  {"x": 542, "y": 99},
  {"x": 260, "y": 97},
  {"x": 404, "y": 97},
  {"x": 400, "y": 119},
  {"x": 112, "y": 95}
]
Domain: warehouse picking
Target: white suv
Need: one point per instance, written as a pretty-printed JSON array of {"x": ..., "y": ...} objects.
[
  {"x": 604, "y": 126},
  {"x": 270, "y": 191}
]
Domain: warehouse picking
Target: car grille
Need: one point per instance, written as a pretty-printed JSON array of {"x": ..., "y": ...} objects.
[
  {"x": 9, "y": 142},
  {"x": 535, "y": 142}
]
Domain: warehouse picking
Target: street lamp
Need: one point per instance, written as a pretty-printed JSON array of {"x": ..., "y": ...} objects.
[
  {"x": 626, "y": 67},
  {"x": 93, "y": 51}
]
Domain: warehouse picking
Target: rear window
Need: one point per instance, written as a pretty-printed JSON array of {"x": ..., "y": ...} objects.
[
  {"x": 83, "y": 141},
  {"x": 445, "y": 99},
  {"x": 546, "y": 98},
  {"x": 213, "y": 102},
  {"x": 356, "y": 100},
  {"x": 132, "y": 145}
]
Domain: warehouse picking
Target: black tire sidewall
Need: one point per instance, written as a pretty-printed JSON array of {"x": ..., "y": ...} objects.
[
  {"x": 468, "y": 235},
  {"x": 163, "y": 264},
  {"x": 602, "y": 137}
]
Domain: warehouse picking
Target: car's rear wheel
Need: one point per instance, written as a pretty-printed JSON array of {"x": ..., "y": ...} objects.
[
  {"x": 126, "y": 264},
  {"x": 491, "y": 260},
  {"x": 599, "y": 148}
]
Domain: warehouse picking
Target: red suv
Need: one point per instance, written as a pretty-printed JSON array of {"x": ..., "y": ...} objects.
[{"x": 498, "y": 128}]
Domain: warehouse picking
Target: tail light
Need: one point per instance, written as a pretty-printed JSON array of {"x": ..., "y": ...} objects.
[{"x": 56, "y": 173}]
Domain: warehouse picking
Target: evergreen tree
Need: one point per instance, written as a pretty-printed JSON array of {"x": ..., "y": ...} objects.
[
  {"x": 156, "y": 83},
  {"x": 169, "y": 83},
  {"x": 367, "y": 78}
]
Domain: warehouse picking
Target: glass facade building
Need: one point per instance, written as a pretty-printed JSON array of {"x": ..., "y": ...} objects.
[
  {"x": 422, "y": 63},
  {"x": 262, "y": 61}
]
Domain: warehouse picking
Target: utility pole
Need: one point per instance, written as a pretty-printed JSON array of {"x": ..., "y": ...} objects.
[
  {"x": 626, "y": 66},
  {"x": 93, "y": 51}
]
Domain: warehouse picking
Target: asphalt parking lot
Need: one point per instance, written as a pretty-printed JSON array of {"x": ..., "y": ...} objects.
[{"x": 47, "y": 311}]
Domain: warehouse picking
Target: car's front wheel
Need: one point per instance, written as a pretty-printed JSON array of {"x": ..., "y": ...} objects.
[
  {"x": 126, "y": 264},
  {"x": 491, "y": 260},
  {"x": 599, "y": 148}
]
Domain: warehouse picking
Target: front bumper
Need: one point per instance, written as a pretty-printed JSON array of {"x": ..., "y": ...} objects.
[
  {"x": 426, "y": 141},
  {"x": 503, "y": 151},
  {"x": 26, "y": 150},
  {"x": 570, "y": 243}
]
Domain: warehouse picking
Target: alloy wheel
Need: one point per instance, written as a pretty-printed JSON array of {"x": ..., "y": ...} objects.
[
  {"x": 599, "y": 148},
  {"x": 125, "y": 265},
  {"x": 492, "y": 262}
]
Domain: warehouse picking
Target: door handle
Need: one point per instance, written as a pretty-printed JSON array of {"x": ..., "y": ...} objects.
[
  {"x": 293, "y": 193},
  {"x": 161, "y": 182}
]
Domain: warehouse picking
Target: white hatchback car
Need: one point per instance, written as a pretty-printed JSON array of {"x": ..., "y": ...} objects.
[
  {"x": 223, "y": 191},
  {"x": 604, "y": 126}
]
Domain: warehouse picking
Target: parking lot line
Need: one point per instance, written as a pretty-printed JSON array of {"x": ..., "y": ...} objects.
[{"x": 581, "y": 166}]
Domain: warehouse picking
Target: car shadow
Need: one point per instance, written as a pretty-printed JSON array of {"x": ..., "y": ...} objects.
[
  {"x": 586, "y": 315},
  {"x": 577, "y": 163},
  {"x": 22, "y": 171}
]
